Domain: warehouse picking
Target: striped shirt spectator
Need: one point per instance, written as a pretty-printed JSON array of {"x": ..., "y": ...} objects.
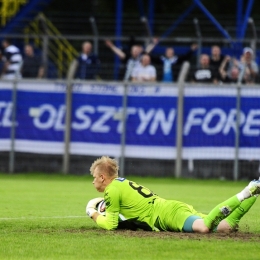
[{"x": 12, "y": 61}]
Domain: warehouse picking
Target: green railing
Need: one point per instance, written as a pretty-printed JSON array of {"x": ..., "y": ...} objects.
[{"x": 59, "y": 50}]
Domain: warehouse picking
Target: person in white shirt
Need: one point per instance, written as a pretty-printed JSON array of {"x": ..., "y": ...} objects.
[
  {"x": 12, "y": 61},
  {"x": 145, "y": 72},
  {"x": 251, "y": 67}
]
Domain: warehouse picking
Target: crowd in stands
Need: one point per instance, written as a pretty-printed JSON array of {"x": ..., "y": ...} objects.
[
  {"x": 14, "y": 65},
  {"x": 225, "y": 69},
  {"x": 140, "y": 64}
]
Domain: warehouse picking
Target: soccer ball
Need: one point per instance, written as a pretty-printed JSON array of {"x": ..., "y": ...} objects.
[{"x": 101, "y": 209}]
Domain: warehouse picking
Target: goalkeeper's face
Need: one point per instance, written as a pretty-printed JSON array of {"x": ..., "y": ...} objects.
[{"x": 99, "y": 181}]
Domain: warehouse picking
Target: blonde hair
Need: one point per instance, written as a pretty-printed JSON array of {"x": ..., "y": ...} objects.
[{"x": 105, "y": 165}]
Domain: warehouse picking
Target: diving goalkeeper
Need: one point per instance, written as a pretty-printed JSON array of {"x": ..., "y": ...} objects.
[{"x": 150, "y": 212}]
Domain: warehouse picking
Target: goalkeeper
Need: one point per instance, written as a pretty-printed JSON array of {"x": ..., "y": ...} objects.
[{"x": 150, "y": 212}]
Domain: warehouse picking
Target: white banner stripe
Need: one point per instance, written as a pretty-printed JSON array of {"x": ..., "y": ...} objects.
[
  {"x": 196, "y": 91},
  {"x": 131, "y": 151}
]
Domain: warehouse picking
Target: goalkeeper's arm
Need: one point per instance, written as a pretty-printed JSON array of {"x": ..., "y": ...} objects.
[
  {"x": 108, "y": 222},
  {"x": 91, "y": 208}
]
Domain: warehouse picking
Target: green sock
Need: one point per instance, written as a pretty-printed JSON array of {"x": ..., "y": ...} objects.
[
  {"x": 234, "y": 218},
  {"x": 221, "y": 211}
]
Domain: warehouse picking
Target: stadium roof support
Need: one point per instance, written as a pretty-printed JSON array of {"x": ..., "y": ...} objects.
[
  {"x": 212, "y": 19},
  {"x": 151, "y": 15},
  {"x": 243, "y": 27},
  {"x": 241, "y": 21},
  {"x": 178, "y": 21},
  {"x": 239, "y": 17}
]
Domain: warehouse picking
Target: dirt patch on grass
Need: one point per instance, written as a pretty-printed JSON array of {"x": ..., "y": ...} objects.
[
  {"x": 194, "y": 236},
  {"x": 245, "y": 236}
]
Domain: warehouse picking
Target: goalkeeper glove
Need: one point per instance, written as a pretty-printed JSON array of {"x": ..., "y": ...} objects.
[{"x": 92, "y": 205}]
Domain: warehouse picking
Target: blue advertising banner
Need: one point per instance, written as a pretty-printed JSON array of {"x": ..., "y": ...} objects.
[{"x": 208, "y": 129}]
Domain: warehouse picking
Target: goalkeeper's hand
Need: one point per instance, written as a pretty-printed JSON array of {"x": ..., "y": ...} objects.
[{"x": 92, "y": 205}]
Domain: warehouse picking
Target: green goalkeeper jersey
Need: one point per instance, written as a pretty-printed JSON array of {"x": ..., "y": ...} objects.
[{"x": 142, "y": 207}]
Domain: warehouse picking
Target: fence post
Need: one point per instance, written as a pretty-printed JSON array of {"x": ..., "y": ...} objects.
[
  {"x": 198, "y": 33},
  {"x": 67, "y": 130},
  {"x": 179, "y": 127},
  {"x": 13, "y": 127},
  {"x": 95, "y": 32},
  {"x": 45, "y": 43},
  {"x": 45, "y": 55},
  {"x": 254, "y": 38},
  {"x": 238, "y": 108},
  {"x": 147, "y": 28},
  {"x": 123, "y": 134}
]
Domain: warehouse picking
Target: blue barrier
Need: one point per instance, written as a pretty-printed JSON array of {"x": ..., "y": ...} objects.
[{"x": 208, "y": 130}]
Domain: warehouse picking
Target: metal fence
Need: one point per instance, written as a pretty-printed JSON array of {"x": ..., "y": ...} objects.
[{"x": 180, "y": 129}]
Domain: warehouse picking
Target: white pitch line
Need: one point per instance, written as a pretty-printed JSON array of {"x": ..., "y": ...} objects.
[{"x": 50, "y": 217}]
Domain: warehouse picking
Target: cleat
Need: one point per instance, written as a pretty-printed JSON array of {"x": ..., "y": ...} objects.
[{"x": 254, "y": 187}]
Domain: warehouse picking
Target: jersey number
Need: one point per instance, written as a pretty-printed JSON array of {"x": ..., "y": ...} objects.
[{"x": 141, "y": 190}]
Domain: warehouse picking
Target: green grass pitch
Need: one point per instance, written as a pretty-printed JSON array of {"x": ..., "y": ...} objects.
[{"x": 43, "y": 217}]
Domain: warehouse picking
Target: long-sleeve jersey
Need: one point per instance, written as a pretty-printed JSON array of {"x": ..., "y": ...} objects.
[{"x": 141, "y": 206}]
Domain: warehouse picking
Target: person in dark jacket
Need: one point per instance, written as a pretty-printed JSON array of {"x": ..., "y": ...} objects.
[
  {"x": 32, "y": 64},
  {"x": 88, "y": 63},
  {"x": 204, "y": 74},
  {"x": 216, "y": 60},
  {"x": 131, "y": 59}
]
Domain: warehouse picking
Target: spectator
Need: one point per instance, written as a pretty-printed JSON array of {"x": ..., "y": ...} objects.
[
  {"x": 32, "y": 64},
  {"x": 144, "y": 72},
  {"x": 12, "y": 59},
  {"x": 88, "y": 63},
  {"x": 204, "y": 74},
  {"x": 229, "y": 70},
  {"x": 216, "y": 60},
  {"x": 251, "y": 67},
  {"x": 1, "y": 60},
  {"x": 171, "y": 62},
  {"x": 132, "y": 60}
]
